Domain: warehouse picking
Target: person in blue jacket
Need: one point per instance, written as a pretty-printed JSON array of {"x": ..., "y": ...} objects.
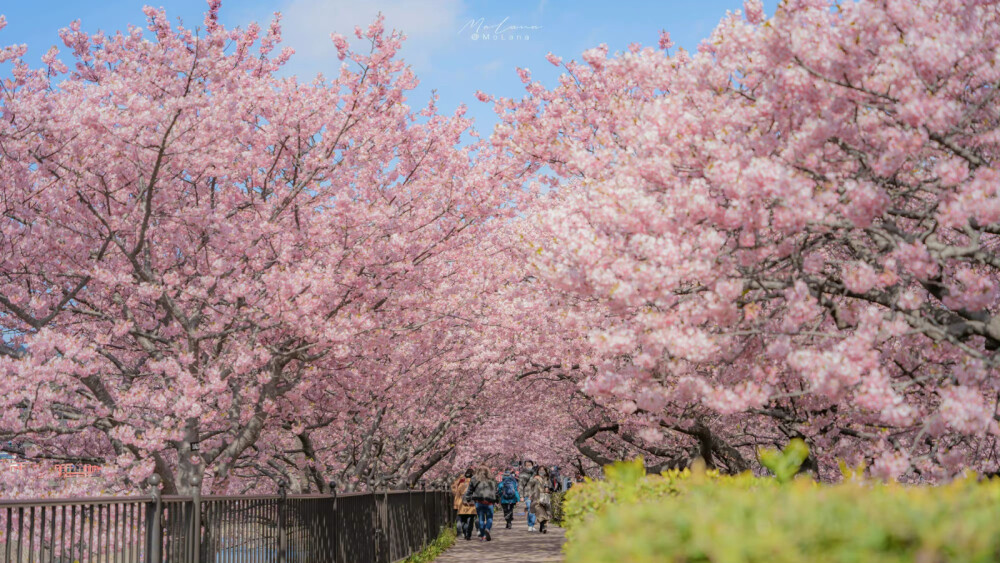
[{"x": 509, "y": 495}]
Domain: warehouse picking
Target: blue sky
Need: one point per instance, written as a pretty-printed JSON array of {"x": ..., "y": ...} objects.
[{"x": 441, "y": 46}]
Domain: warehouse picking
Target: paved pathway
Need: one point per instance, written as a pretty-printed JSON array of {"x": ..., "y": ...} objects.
[{"x": 516, "y": 545}]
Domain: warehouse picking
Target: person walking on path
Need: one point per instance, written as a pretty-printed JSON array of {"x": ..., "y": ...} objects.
[
  {"x": 466, "y": 511},
  {"x": 527, "y": 472},
  {"x": 483, "y": 491},
  {"x": 556, "y": 479},
  {"x": 508, "y": 546},
  {"x": 539, "y": 492},
  {"x": 509, "y": 496}
]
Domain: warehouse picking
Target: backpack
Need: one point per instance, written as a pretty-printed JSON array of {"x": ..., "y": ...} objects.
[{"x": 508, "y": 489}]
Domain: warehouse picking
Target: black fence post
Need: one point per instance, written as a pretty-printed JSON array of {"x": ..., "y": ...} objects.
[
  {"x": 386, "y": 555},
  {"x": 195, "y": 533},
  {"x": 282, "y": 523},
  {"x": 154, "y": 527},
  {"x": 376, "y": 529},
  {"x": 332, "y": 525},
  {"x": 428, "y": 526}
]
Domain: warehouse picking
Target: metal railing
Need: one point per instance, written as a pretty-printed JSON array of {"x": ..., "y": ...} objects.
[{"x": 380, "y": 527}]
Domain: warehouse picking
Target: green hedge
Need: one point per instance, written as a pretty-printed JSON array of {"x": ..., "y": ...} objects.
[{"x": 703, "y": 517}]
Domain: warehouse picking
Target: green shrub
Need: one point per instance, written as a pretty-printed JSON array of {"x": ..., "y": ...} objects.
[
  {"x": 445, "y": 540},
  {"x": 681, "y": 516},
  {"x": 557, "y": 507},
  {"x": 624, "y": 483}
]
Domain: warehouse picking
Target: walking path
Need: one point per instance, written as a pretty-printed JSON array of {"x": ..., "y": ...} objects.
[{"x": 508, "y": 546}]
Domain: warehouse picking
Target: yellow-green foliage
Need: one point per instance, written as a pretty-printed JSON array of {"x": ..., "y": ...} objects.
[
  {"x": 701, "y": 517},
  {"x": 785, "y": 464},
  {"x": 626, "y": 483},
  {"x": 445, "y": 540}
]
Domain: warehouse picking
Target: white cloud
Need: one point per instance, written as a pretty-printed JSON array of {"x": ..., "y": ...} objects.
[
  {"x": 490, "y": 68},
  {"x": 306, "y": 26}
]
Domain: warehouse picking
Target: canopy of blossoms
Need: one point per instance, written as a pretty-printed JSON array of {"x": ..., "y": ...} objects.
[{"x": 221, "y": 275}]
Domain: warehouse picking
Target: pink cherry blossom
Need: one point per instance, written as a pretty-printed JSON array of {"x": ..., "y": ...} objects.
[
  {"x": 890, "y": 466},
  {"x": 271, "y": 269},
  {"x": 859, "y": 277},
  {"x": 804, "y": 160}
]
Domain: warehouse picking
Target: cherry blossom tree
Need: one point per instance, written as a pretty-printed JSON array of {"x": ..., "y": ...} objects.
[
  {"x": 446, "y": 398},
  {"x": 196, "y": 251},
  {"x": 791, "y": 232}
]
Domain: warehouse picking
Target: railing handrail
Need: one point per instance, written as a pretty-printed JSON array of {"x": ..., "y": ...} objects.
[
  {"x": 220, "y": 498},
  {"x": 28, "y": 502},
  {"x": 188, "y": 498}
]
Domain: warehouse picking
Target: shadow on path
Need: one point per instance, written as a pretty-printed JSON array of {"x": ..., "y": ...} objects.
[{"x": 508, "y": 546}]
